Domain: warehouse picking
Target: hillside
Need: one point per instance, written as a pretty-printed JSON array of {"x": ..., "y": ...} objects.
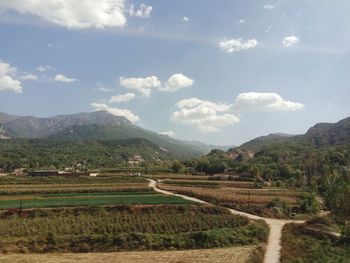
[
  {"x": 54, "y": 154},
  {"x": 328, "y": 134},
  {"x": 98, "y": 125},
  {"x": 260, "y": 142},
  {"x": 124, "y": 132}
]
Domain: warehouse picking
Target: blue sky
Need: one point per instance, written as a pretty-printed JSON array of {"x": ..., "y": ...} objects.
[{"x": 221, "y": 72}]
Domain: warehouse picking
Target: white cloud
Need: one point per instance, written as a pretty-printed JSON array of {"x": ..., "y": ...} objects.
[
  {"x": 62, "y": 78},
  {"x": 8, "y": 79},
  {"x": 235, "y": 45},
  {"x": 185, "y": 19},
  {"x": 205, "y": 115},
  {"x": 28, "y": 76},
  {"x": 101, "y": 87},
  {"x": 144, "y": 11},
  {"x": 258, "y": 102},
  {"x": 168, "y": 133},
  {"x": 240, "y": 22},
  {"x": 176, "y": 82},
  {"x": 55, "y": 45},
  {"x": 115, "y": 111},
  {"x": 290, "y": 41},
  {"x": 72, "y": 14},
  {"x": 142, "y": 85},
  {"x": 122, "y": 98},
  {"x": 44, "y": 68},
  {"x": 269, "y": 7}
]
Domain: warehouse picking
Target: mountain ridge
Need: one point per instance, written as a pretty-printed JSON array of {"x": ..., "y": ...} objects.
[{"x": 97, "y": 125}]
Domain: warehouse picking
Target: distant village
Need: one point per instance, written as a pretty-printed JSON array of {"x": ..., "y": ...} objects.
[{"x": 69, "y": 171}]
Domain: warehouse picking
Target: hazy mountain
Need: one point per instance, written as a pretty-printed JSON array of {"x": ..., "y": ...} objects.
[
  {"x": 124, "y": 132},
  {"x": 326, "y": 134},
  {"x": 260, "y": 142},
  {"x": 320, "y": 135},
  {"x": 4, "y": 117},
  {"x": 33, "y": 127},
  {"x": 208, "y": 148},
  {"x": 99, "y": 125}
]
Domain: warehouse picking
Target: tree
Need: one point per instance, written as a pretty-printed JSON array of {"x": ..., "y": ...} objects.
[{"x": 176, "y": 166}]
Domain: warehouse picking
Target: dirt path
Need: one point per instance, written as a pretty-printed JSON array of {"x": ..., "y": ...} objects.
[
  {"x": 273, "y": 248},
  {"x": 222, "y": 255}
]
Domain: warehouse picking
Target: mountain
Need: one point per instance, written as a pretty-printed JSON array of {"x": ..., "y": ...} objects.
[
  {"x": 4, "y": 118},
  {"x": 33, "y": 127},
  {"x": 328, "y": 134},
  {"x": 205, "y": 148},
  {"x": 320, "y": 135},
  {"x": 260, "y": 142},
  {"x": 98, "y": 125},
  {"x": 124, "y": 132}
]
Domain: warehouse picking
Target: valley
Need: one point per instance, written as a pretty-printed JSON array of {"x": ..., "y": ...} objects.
[{"x": 143, "y": 198}]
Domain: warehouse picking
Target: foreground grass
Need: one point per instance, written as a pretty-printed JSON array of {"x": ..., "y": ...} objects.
[
  {"x": 313, "y": 243},
  {"x": 121, "y": 228},
  {"x": 91, "y": 200},
  {"x": 233, "y": 254}
]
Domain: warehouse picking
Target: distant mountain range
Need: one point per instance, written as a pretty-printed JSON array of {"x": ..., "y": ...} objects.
[
  {"x": 321, "y": 135},
  {"x": 98, "y": 125}
]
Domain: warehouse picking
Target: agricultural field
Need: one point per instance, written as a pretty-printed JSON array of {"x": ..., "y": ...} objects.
[
  {"x": 45, "y": 192},
  {"x": 125, "y": 228},
  {"x": 245, "y": 196},
  {"x": 241, "y": 254}
]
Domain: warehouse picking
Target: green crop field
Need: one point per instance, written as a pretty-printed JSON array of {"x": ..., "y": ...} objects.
[{"x": 92, "y": 200}]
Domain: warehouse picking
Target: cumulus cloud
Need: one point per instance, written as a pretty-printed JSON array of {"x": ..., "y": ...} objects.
[
  {"x": 122, "y": 98},
  {"x": 168, "y": 133},
  {"x": 142, "y": 85},
  {"x": 115, "y": 111},
  {"x": 290, "y": 41},
  {"x": 144, "y": 11},
  {"x": 235, "y": 45},
  {"x": 72, "y": 14},
  {"x": 8, "y": 79},
  {"x": 258, "y": 102},
  {"x": 62, "y": 78},
  {"x": 205, "y": 115},
  {"x": 176, "y": 82},
  {"x": 44, "y": 68},
  {"x": 28, "y": 76}
]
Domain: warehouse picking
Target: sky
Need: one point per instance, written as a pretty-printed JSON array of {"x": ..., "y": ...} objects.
[{"x": 221, "y": 72}]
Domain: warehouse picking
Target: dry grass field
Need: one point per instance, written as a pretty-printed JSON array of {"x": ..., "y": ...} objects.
[
  {"x": 234, "y": 195},
  {"x": 226, "y": 255}
]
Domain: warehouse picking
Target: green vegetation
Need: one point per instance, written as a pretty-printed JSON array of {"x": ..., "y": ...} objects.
[
  {"x": 90, "y": 154},
  {"x": 92, "y": 200},
  {"x": 314, "y": 242},
  {"x": 126, "y": 228}
]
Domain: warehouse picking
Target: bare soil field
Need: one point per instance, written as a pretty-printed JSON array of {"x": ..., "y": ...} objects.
[{"x": 233, "y": 254}]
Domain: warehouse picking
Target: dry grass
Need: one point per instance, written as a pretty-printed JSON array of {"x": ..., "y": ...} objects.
[
  {"x": 213, "y": 183},
  {"x": 179, "y": 176},
  {"x": 234, "y": 254},
  {"x": 237, "y": 196}
]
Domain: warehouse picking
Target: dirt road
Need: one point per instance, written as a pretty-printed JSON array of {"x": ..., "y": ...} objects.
[{"x": 273, "y": 248}]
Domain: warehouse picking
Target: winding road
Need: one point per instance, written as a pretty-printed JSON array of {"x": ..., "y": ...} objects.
[{"x": 273, "y": 248}]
